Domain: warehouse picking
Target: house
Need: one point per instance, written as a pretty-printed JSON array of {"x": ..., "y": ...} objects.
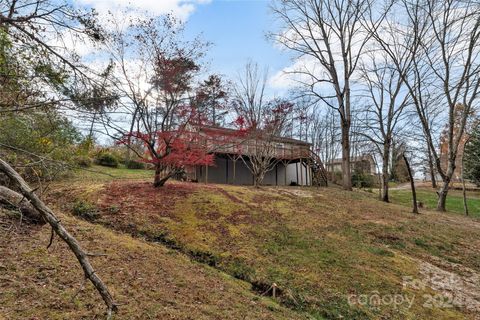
[
  {"x": 459, "y": 111},
  {"x": 364, "y": 163},
  {"x": 457, "y": 173},
  {"x": 293, "y": 161}
]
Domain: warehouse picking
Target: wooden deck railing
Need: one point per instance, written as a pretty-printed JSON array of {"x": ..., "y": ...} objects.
[{"x": 286, "y": 151}]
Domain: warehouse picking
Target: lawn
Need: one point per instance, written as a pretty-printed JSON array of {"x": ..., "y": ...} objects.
[
  {"x": 429, "y": 199},
  {"x": 148, "y": 280},
  {"x": 320, "y": 246},
  {"x": 99, "y": 173}
]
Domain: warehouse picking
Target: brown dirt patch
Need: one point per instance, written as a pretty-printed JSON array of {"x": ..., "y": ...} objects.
[
  {"x": 296, "y": 193},
  {"x": 230, "y": 196},
  {"x": 261, "y": 199},
  {"x": 242, "y": 217},
  {"x": 134, "y": 198}
]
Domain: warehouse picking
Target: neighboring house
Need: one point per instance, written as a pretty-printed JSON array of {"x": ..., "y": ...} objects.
[
  {"x": 294, "y": 162},
  {"x": 364, "y": 163},
  {"x": 457, "y": 174},
  {"x": 473, "y": 121}
]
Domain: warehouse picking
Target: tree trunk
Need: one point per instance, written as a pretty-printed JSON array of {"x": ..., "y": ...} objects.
[
  {"x": 385, "y": 197},
  {"x": 432, "y": 169},
  {"x": 161, "y": 176},
  {"x": 447, "y": 178},
  {"x": 159, "y": 180},
  {"x": 346, "y": 169},
  {"x": 50, "y": 217},
  {"x": 442, "y": 196},
  {"x": 257, "y": 179},
  {"x": 412, "y": 185},
  {"x": 464, "y": 193},
  {"x": 9, "y": 197},
  {"x": 464, "y": 190},
  {"x": 90, "y": 133},
  {"x": 385, "y": 176},
  {"x": 129, "y": 141}
]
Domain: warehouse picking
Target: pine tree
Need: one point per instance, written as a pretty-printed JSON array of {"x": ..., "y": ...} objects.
[{"x": 472, "y": 157}]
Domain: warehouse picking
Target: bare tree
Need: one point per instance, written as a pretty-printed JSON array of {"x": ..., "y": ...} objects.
[
  {"x": 443, "y": 38},
  {"x": 264, "y": 121},
  {"x": 327, "y": 34},
  {"x": 385, "y": 102},
  {"x": 249, "y": 95},
  {"x": 323, "y": 135},
  {"x": 434, "y": 114}
]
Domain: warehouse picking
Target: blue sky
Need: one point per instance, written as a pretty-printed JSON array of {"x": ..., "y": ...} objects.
[{"x": 238, "y": 30}]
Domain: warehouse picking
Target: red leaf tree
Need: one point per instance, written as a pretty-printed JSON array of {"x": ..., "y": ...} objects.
[
  {"x": 156, "y": 118},
  {"x": 171, "y": 151}
]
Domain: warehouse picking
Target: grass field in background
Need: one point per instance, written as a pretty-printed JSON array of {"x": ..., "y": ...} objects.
[
  {"x": 99, "y": 173},
  {"x": 429, "y": 199}
]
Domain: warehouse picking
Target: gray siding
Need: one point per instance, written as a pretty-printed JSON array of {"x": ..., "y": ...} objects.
[{"x": 223, "y": 172}]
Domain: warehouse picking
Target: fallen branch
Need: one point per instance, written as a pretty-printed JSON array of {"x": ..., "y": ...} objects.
[
  {"x": 9, "y": 197},
  {"x": 50, "y": 217}
]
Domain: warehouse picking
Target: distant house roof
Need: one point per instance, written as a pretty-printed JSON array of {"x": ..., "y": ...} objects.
[{"x": 230, "y": 131}]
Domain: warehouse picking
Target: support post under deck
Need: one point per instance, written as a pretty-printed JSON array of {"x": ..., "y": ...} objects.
[
  {"x": 206, "y": 174},
  {"x": 301, "y": 172},
  {"x": 234, "y": 169}
]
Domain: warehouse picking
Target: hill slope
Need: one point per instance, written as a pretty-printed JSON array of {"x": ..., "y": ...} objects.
[
  {"x": 332, "y": 254},
  {"x": 148, "y": 280}
]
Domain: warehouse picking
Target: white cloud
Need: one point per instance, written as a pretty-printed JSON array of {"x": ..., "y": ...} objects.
[
  {"x": 300, "y": 73},
  {"x": 180, "y": 8},
  {"x": 307, "y": 70},
  {"x": 289, "y": 77},
  {"x": 122, "y": 11}
]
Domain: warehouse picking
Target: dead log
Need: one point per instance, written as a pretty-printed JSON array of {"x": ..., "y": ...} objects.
[
  {"x": 50, "y": 217},
  {"x": 10, "y": 198}
]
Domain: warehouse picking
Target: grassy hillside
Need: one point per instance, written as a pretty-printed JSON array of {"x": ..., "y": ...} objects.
[
  {"x": 148, "y": 280},
  {"x": 175, "y": 251}
]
